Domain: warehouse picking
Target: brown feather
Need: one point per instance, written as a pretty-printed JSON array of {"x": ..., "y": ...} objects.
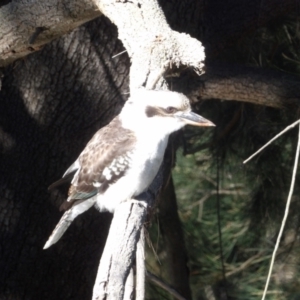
[
  {"x": 111, "y": 145},
  {"x": 66, "y": 179}
]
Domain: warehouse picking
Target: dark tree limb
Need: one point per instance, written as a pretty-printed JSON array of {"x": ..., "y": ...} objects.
[
  {"x": 253, "y": 85},
  {"x": 176, "y": 268}
]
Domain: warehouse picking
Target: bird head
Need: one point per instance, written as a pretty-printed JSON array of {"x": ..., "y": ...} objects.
[{"x": 162, "y": 111}]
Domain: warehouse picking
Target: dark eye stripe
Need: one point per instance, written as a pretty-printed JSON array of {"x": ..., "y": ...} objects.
[
  {"x": 159, "y": 111},
  {"x": 152, "y": 111},
  {"x": 170, "y": 110}
]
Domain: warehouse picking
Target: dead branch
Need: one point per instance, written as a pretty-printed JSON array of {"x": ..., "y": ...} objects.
[{"x": 119, "y": 253}]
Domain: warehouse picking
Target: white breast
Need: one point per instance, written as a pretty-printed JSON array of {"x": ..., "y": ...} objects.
[{"x": 146, "y": 160}]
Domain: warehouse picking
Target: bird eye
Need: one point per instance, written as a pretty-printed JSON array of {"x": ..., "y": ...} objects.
[{"x": 171, "y": 110}]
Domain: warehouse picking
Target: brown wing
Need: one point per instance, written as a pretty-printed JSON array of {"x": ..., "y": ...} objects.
[{"x": 104, "y": 160}]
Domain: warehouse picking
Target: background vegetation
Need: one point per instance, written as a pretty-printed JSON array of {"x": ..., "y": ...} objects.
[{"x": 230, "y": 212}]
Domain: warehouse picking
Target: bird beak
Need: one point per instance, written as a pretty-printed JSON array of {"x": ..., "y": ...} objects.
[{"x": 195, "y": 120}]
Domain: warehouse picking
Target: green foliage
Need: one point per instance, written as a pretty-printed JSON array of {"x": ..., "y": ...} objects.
[
  {"x": 251, "y": 197},
  {"x": 252, "y": 200},
  {"x": 246, "y": 249}
]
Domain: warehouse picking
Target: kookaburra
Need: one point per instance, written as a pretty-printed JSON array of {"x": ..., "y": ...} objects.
[{"x": 122, "y": 158}]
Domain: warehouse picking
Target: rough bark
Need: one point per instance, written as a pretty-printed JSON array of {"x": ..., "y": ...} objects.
[
  {"x": 245, "y": 84},
  {"x": 119, "y": 253},
  {"x": 140, "y": 266},
  {"x": 154, "y": 48},
  {"x": 28, "y": 25},
  {"x": 252, "y": 85},
  {"x": 50, "y": 106},
  {"x": 25, "y": 29}
]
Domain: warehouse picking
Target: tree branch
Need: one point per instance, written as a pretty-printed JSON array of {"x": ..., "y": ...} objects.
[
  {"x": 129, "y": 286},
  {"x": 154, "y": 49},
  {"x": 151, "y": 44},
  {"x": 28, "y": 25},
  {"x": 119, "y": 253},
  {"x": 120, "y": 248},
  {"x": 246, "y": 84},
  {"x": 140, "y": 267}
]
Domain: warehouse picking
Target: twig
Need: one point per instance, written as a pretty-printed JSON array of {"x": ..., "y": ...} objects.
[
  {"x": 155, "y": 76},
  {"x": 129, "y": 286},
  {"x": 211, "y": 193},
  {"x": 163, "y": 285},
  {"x": 34, "y": 36},
  {"x": 272, "y": 140},
  {"x": 252, "y": 260},
  {"x": 285, "y": 213},
  {"x": 114, "y": 56},
  {"x": 150, "y": 245},
  {"x": 140, "y": 267}
]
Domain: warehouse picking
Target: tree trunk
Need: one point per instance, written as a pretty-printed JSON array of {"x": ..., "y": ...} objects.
[{"x": 51, "y": 104}]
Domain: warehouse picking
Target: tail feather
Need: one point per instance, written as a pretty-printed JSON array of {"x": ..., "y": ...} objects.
[
  {"x": 60, "y": 228},
  {"x": 67, "y": 219},
  {"x": 66, "y": 179}
]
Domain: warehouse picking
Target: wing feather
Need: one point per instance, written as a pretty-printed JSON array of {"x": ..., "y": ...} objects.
[{"x": 104, "y": 160}]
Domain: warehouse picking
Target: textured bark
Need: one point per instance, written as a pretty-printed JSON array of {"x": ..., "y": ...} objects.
[
  {"x": 25, "y": 29},
  {"x": 27, "y": 25},
  {"x": 50, "y": 106},
  {"x": 119, "y": 253},
  {"x": 154, "y": 48},
  {"x": 253, "y": 85}
]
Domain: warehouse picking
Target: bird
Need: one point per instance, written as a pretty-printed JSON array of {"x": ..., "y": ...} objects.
[{"x": 122, "y": 158}]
